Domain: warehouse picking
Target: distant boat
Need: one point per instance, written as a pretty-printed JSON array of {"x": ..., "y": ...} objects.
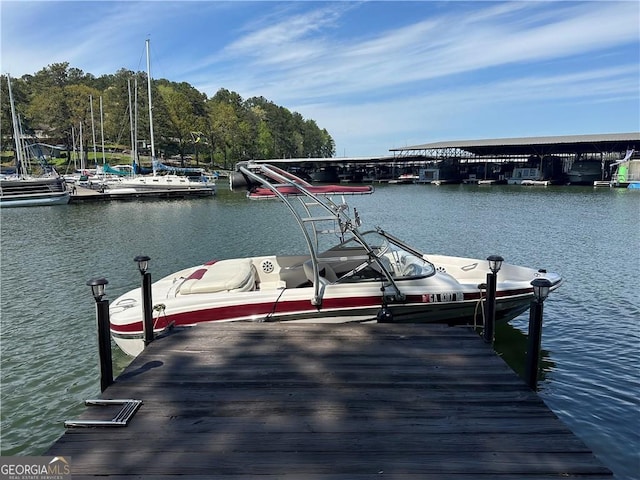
[
  {"x": 585, "y": 172},
  {"x": 33, "y": 191},
  {"x": 23, "y": 189},
  {"x": 325, "y": 174},
  {"x": 626, "y": 172},
  {"x": 406, "y": 178},
  {"x": 443, "y": 173},
  {"x": 524, "y": 175},
  {"x": 535, "y": 183}
]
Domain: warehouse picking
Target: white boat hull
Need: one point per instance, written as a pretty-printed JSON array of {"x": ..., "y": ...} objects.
[
  {"x": 31, "y": 192},
  {"x": 440, "y": 298}
]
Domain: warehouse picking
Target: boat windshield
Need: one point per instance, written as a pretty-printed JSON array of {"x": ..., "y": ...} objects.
[{"x": 351, "y": 262}]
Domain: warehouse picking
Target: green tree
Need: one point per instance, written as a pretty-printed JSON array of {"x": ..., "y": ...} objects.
[{"x": 55, "y": 100}]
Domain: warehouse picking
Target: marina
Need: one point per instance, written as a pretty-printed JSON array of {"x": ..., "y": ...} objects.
[
  {"x": 240, "y": 400},
  {"x": 611, "y": 160}
]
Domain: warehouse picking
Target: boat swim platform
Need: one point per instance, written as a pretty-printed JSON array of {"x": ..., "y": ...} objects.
[
  {"x": 82, "y": 194},
  {"x": 325, "y": 401}
]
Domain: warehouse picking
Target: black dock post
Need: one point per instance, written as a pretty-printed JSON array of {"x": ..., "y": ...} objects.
[
  {"x": 104, "y": 335},
  {"x": 147, "y": 312},
  {"x": 540, "y": 291},
  {"x": 495, "y": 263}
]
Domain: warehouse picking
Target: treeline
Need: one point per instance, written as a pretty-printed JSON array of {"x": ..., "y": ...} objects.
[{"x": 220, "y": 130}]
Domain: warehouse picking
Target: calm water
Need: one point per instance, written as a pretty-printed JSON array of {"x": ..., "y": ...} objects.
[{"x": 591, "y": 331}]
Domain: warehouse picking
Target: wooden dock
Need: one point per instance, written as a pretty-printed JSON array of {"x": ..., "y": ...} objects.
[{"x": 326, "y": 401}]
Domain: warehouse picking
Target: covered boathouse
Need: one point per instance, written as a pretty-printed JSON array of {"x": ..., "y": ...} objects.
[{"x": 549, "y": 158}]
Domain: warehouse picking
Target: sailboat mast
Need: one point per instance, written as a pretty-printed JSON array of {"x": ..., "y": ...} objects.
[
  {"x": 135, "y": 120},
  {"x": 16, "y": 130},
  {"x": 75, "y": 152},
  {"x": 82, "y": 164},
  {"x": 93, "y": 131},
  {"x": 153, "y": 151},
  {"x": 102, "y": 131},
  {"x": 131, "y": 127}
]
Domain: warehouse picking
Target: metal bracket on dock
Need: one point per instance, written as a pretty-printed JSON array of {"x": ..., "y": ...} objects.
[{"x": 122, "y": 418}]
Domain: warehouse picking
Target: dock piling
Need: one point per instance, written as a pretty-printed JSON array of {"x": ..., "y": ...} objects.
[
  {"x": 495, "y": 263},
  {"x": 147, "y": 312},
  {"x": 104, "y": 335},
  {"x": 540, "y": 292}
]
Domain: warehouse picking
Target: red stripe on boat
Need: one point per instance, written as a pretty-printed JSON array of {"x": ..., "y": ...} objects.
[{"x": 197, "y": 275}]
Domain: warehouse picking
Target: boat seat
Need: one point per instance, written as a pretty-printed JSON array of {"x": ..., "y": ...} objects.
[
  {"x": 327, "y": 275},
  {"x": 235, "y": 275}
]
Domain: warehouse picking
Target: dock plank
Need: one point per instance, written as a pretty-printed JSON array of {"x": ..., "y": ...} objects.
[{"x": 348, "y": 401}]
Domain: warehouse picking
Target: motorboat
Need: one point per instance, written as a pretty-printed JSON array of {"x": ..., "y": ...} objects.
[
  {"x": 23, "y": 189},
  {"x": 585, "y": 172},
  {"x": 406, "y": 178},
  {"x": 347, "y": 275},
  {"x": 26, "y": 191},
  {"x": 524, "y": 176}
]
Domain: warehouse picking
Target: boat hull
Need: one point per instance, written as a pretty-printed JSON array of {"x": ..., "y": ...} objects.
[
  {"x": 32, "y": 192},
  {"x": 131, "y": 339},
  {"x": 431, "y": 300}
]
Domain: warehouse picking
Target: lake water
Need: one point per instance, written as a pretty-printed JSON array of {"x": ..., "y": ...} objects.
[{"x": 49, "y": 359}]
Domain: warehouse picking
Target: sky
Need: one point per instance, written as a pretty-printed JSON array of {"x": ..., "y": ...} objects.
[{"x": 377, "y": 75}]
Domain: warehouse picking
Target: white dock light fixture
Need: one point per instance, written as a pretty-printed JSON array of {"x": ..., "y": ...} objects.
[
  {"x": 147, "y": 313},
  {"x": 97, "y": 287},
  {"x": 143, "y": 263},
  {"x": 541, "y": 288},
  {"x": 495, "y": 263}
]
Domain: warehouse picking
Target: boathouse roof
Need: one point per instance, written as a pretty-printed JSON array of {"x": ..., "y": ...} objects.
[{"x": 598, "y": 143}]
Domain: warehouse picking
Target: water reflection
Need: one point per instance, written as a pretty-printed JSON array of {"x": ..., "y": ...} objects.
[{"x": 512, "y": 345}]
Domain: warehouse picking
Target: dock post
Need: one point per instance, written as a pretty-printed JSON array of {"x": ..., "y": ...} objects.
[
  {"x": 540, "y": 292},
  {"x": 495, "y": 263},
  {"x": 147, "y": 312},
  {"x": 104, "y": 335}
]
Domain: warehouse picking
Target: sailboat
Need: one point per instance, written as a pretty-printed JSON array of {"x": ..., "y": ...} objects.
[
  {"x": 194, "y": 182},
  {"x": 23, "y": 189}
]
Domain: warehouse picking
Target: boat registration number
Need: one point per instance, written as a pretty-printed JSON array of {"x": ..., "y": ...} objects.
[{"x": 443, "y": 297}]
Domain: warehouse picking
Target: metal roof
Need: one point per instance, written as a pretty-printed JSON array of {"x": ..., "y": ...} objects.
[{"x": 608, "y": 142}]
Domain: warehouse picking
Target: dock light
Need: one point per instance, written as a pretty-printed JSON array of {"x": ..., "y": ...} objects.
[
  {"x": 147, "y": 313},
  {"x": 143, "y": 263},
  {"x": 104, "y": 334},
  {"x": 495, "y": 263},
  {"x": 97, "y": 287},
  {"x": 541, "y": 288}
]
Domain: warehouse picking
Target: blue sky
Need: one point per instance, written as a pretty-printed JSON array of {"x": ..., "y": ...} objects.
[{"x": 377, "y": 75}]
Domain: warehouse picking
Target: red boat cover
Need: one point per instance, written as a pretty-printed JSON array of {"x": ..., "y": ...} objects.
[{"x": 288, "y": 190}]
